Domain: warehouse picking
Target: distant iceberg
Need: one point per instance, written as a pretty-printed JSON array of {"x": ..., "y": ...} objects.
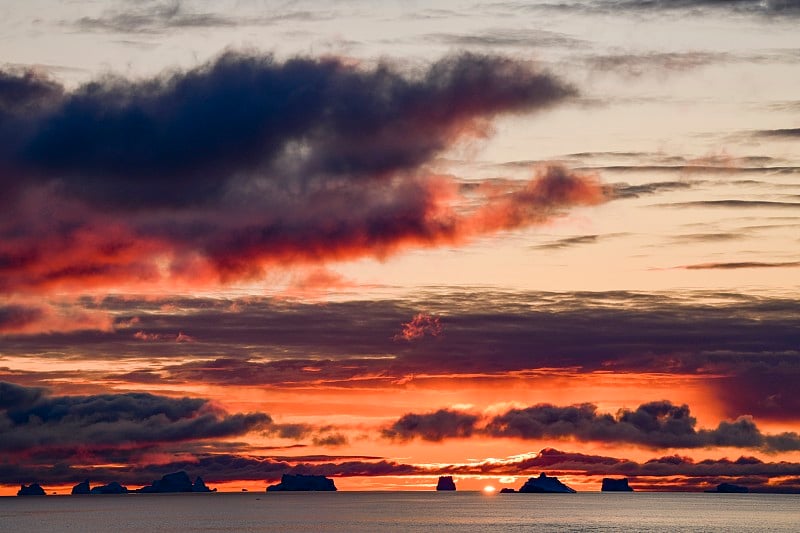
[
  {"x": 31, "y": 490},
  {"x": 616, "y": 485},
  {"x": 730, "y": 488},
  {"x": 300, "y": 482},
  {"x": 111, "y": 488},
  {"x": 446, "y": 483},
  {"x": 175, "y": 482},
  {"x": 545, "y": 483}
]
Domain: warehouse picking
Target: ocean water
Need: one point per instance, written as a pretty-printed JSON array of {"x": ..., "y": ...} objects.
[{"x": 403, "y": 511}]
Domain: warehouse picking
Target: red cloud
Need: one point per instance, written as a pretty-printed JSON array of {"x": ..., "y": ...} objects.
[
  {"x": 80, "y": 248},
  {"x": 419, "y": 326}
]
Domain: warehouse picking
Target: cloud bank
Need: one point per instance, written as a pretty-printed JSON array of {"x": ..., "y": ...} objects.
[
  {"x": 653, "y": 425},
  {"x": 33, "y": 421}
]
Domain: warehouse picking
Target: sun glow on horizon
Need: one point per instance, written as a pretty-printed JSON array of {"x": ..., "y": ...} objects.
[{"x": 489, "y": 489}]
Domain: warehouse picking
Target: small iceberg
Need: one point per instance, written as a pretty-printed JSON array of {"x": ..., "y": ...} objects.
[{"x": 446, "y": 483}]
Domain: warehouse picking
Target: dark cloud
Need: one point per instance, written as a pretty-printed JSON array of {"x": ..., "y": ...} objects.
[
  {"x": 508, "y": 38},
  {"x": 633, "y": 64},
  {"x": 706, "y": 237},
  {"x": 763, "y": 387},
  {"x": 132, "y": 142},
  {"x": 692, "y": 168},
  {"x": 25, "y": 90},
  {"x": 18, "y": 317},
  {"x": 330, "y": 440},
  {"x": 45, "y": 318},
  {"x": 291, "y": 431},
  {"x": 13, "y": 395},
  {"x": 789, "y": 133},
  {"x": 212, "y": 174},
  {"x": 161, "y": 16},
  {"x": 625, "y": 190},
  {"x": 738, "y": 204},
  {"x": 32, "y": 420},
  {"x": 768, "y": 8},
  {"x": 636, "y": 64},
  {"x": 742, "y": 264},
  {"x": 568, "y": 242},
  {"x": 787, "y": 105},
  {"x": 442, "y": 424},
  {"x": 654, "y": 425}
]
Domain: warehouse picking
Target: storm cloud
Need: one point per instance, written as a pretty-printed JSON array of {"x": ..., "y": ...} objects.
[
  {"x": 437, "y": 426},
  {"x": 138, "y": 143},
  {"x": 654, "y": 425},
  {"x": 32, "y": 420},
  {"x": 217, "y": 173}
]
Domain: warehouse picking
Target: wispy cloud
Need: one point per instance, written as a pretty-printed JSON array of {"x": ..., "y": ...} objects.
[
  {"x": 162, "y": 16},
  {"x": 788, "y": 133},
  {"x": 742, "y": 264},
  {"x": 738, "y": 204},
  {"x": 509, "y": 38},
  {"x": 769, "y": 8}
]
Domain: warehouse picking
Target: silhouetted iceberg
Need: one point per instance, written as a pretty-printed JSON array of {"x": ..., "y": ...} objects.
[
  {"x": 200, "y": 486},
  {"x": 300, "y": 482},
  {"x": 175, "y": 482},
  {"x": 506, "y": 490},
  {"x": 615, "y": 485},
  {"x": 730, "y": 488},
  {"x": 544, "y": 483},
  {"x": 111, "y": 488},
  {"x": 31, "y": 490},
  {"x": 81, "y": 488},
  {"x": 446, "y": 483}
]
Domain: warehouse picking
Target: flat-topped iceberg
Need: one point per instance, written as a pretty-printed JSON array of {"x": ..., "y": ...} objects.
[
  {"x": 730, "y": 488},
  {"x": 615, "y": 485},
  {"x": 446, "y": 483},
  {"x": 545, "y": 483},
  {"x": 300, "y": 482}
]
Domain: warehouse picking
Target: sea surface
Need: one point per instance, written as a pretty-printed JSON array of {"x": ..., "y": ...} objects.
[{"x": 403, "y": 511}]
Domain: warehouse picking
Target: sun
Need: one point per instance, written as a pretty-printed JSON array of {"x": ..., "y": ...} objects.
[{"x": 488, "y": 489}]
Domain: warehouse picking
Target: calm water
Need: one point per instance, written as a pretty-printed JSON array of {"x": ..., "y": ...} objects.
[{"x": 403, "y": 511}]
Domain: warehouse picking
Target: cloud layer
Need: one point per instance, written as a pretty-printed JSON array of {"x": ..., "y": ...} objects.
[{"x": 744, "y": 349}]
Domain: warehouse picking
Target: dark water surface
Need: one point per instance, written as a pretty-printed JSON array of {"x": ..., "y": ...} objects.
[{"x": 403, "y": 511}]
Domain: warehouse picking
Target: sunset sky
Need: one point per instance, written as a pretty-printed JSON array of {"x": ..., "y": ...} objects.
[{"x": 387, "y": 241}]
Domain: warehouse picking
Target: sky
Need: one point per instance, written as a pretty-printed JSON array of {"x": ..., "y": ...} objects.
[{"x": 384, "y": 242}]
